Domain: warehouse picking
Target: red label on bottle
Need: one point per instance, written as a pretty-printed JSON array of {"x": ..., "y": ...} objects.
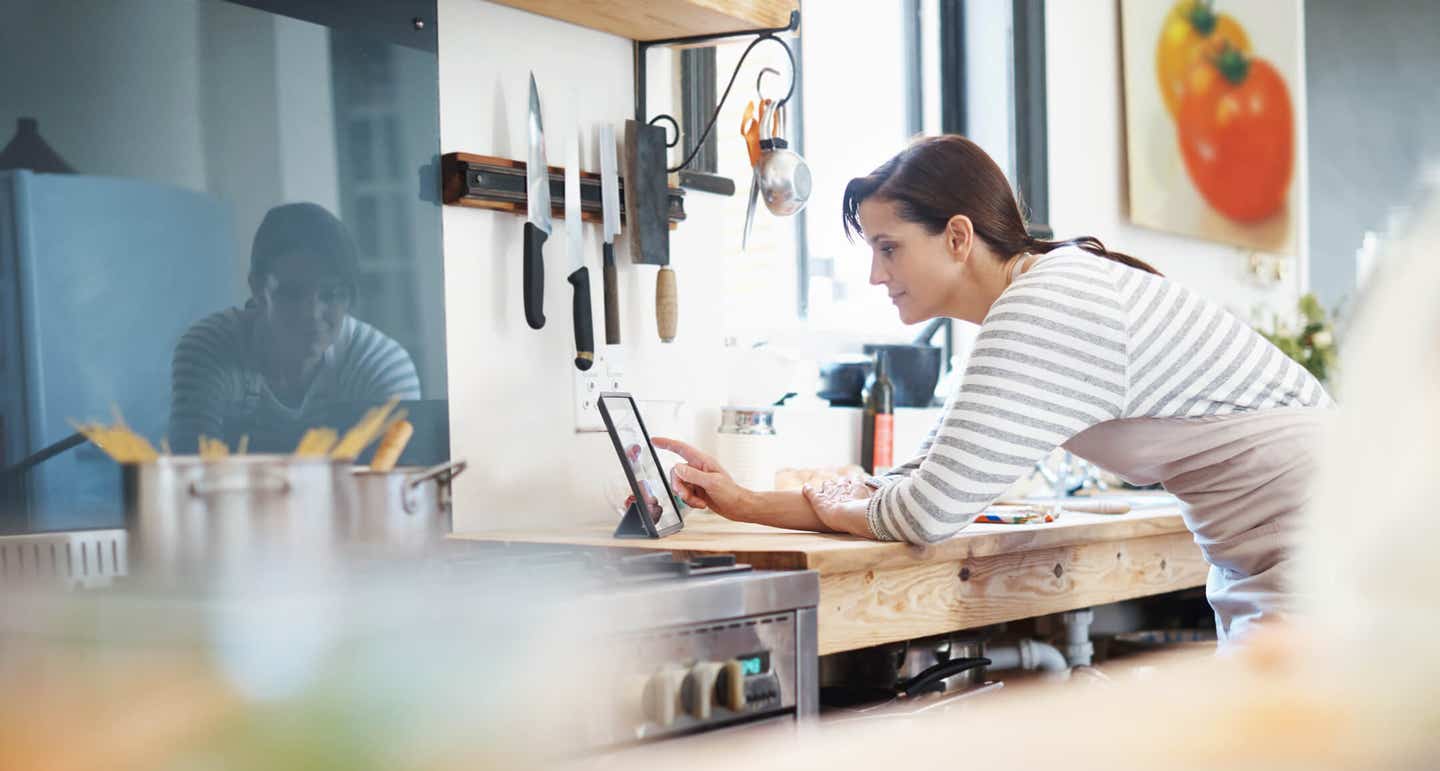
[{"x": 884, "y": 443}]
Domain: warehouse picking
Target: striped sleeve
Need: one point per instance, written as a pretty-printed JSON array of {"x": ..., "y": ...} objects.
[
  {"x": 909, "y": 467},
  {"x": 1051, "y": 360},
  {"x": 202, "y": 380},
  {"x": 376, "y": 368}
]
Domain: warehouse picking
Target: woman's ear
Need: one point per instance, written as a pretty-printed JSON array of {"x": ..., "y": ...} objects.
[{"x": 960, "y": 237}]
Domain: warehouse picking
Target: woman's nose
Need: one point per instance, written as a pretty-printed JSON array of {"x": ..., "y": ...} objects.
[{"x": 878, "y": 274}]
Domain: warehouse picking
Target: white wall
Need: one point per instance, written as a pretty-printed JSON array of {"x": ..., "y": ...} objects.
[
  {"x": 1087, "y": 165},
  {"x": 511, "y": 411}
]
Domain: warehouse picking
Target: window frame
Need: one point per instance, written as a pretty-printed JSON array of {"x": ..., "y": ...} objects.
[{"x": 698, "y": 87}]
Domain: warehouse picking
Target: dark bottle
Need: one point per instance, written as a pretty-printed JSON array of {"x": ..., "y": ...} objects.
[{"x": 877, "y": 428}]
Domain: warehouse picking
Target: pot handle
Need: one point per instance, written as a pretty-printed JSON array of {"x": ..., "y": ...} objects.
[
  {"x": 443, "y": 472},
  {"x": 271, "y": 484},
  {"x": 935, "y": 674}
]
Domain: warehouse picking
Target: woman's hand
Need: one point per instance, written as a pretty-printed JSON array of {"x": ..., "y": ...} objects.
[
  {"x": 703, "y": 483},
  {"x": 843, "y": 505}
]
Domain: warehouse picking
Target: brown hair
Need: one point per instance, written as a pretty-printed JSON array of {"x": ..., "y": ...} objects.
[{"x": 936, "y": 178}]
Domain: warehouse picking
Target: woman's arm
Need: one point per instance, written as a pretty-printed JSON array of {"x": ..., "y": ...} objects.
[
  {"x": 787, "y": 509},
  {"x": 704, "y": 484},
  {"x": 1050, "y": 361}
]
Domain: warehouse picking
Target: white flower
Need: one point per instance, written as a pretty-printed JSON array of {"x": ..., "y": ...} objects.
[{"x": 1322, "y": 339}]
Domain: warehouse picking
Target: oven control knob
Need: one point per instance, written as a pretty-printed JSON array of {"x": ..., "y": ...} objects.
[
  {"x": 661, "y": 702},
  {"x": 730, "y": 686},
  {"x": 698, "y": 693}
]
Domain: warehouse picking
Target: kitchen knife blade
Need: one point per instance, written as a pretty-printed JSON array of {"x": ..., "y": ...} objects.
[
  {"x": 580, "y": 275},
  {"x": 537, "y": 223},
  {"x": 646, "y": 198},
  {"x": 610, "y": 210}
]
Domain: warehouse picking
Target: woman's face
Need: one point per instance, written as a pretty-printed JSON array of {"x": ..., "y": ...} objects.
[
  {"x": 928, "y": 275},
  {"x": 302, "y": 303},
  {"x": 917, "y": 268}
]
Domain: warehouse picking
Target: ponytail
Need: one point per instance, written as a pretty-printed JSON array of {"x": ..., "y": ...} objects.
[{"x": 1092, "y": 245}]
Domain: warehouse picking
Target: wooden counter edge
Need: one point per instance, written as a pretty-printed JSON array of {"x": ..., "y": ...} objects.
[{"x": 832, "y": 554}]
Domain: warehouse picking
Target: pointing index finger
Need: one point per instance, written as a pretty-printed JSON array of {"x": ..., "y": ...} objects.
[{"x": 691, "y": 455}]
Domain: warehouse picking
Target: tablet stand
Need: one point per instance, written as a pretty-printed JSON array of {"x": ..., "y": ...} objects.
[{"x": 632, "y": 525}]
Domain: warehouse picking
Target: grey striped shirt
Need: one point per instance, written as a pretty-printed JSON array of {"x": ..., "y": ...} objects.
[
  {"x": 216, "y": 378},
  {"x": 1075, "y": 341}
]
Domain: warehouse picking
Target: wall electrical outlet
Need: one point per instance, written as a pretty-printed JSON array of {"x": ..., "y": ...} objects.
[
  {"x": 587, "y": 394},
  {"x": 606, "y": 376}
]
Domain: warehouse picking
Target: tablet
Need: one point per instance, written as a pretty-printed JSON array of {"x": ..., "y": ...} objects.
[{"x": 653, "y": 500}]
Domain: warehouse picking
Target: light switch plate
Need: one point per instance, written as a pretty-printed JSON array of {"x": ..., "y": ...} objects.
[
  {"x": 587, "y": 394},
  {"x": 605, "y": 376}
]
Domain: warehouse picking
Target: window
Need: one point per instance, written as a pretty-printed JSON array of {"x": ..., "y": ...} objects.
[
  {"x": 872, "y": 76},
  {"x": 859, "y": 111},
  {"x": 181, "y": 169}
]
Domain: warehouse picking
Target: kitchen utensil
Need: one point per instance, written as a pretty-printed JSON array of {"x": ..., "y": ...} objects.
[
  {"x": 868, "y": 675},
  {"x": 1091, "y": 506},
  {"x": 750, "y": 130},
  {"x": 785, "y": 180},
  {"x": 746, "y": 445},
  {"x": 610, "y": 213},
  {"x": 842, "y": 380},
  {"x": 645, "y": 199},
  {"x": 190, "y": 519},
  {"x": 406, "y": 511},
  {"x": 913, "y": 369},
  {"x": 579, "y": 275},
  {"x": 537, "y": 222}
]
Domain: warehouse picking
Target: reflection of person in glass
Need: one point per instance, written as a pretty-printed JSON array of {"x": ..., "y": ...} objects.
[
  {"x": 642, "y": 475},
  {"x": 293, "y": 351}
]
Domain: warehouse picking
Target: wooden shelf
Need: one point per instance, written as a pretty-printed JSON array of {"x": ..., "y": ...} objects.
[{"x": 663, "y": 19}]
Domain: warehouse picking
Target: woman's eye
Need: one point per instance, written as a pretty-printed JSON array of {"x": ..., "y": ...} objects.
[{"x": 887, "y": 250}]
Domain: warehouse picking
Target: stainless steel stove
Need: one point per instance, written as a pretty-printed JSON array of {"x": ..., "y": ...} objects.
[
  {"x": 679, "y": 646},
  {"x": 711, "y": 644},
  {"x": 694, "y": 645}
]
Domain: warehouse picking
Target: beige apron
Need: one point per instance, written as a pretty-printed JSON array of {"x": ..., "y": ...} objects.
[{"x": 1243, "y": 480}]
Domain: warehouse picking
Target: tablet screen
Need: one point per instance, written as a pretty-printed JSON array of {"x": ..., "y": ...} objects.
[{"x": 649, "y": 476}]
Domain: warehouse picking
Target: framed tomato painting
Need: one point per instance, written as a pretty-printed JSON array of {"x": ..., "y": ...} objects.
[{"x": 1213, "y": 115}]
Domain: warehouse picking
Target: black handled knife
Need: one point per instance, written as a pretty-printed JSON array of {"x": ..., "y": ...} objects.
[{"x": 537, "y": 223}]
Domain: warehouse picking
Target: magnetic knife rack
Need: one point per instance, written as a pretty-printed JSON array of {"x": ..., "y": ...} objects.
[{"x": 488, "y": 182}]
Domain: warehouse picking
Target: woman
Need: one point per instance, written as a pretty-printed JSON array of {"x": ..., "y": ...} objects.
[
  {"x": 294, "y": 354},
  {"x": 1079, "y": 347}
]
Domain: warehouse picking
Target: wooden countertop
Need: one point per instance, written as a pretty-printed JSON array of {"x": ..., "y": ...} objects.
[
  {"x": 874, "y": 592},
  {"x": 778, "y": 549}
]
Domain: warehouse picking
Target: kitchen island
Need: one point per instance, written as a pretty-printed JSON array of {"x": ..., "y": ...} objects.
[{"x": 876, "y": 592}]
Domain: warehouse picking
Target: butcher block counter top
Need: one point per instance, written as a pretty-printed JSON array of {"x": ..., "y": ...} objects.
[{"x": 875, "y": 592}]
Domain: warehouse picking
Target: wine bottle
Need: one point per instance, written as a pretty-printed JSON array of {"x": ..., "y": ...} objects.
[{"x": 877, "y": 431}]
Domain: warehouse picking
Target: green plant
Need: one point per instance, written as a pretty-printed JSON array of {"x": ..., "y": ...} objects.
[{"x": 1312, "y": 344}]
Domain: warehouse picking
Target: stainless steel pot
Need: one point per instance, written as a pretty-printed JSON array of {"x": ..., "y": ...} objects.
[
  {"x": 404, "y": 511},
  {"x": 189, "y": 518}
]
